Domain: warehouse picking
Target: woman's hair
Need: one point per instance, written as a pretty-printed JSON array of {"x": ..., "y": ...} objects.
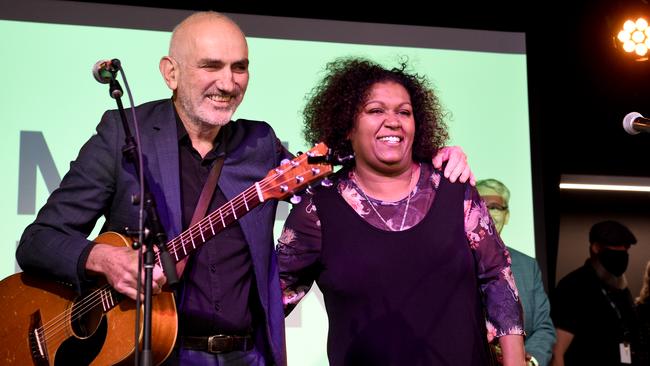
[
  {"x": 644, "y": 295},
  {"x": 335, "y": 102}
]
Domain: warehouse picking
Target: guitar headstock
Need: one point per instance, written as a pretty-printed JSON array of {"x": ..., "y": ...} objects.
[{"x": 294, "y": 175}]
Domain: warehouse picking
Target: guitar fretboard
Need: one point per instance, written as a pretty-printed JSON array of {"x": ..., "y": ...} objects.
[{"x": 197, "y": 234}]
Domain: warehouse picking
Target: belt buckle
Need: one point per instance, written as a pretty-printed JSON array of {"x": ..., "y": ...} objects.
[{"x": 220, "y": 343}]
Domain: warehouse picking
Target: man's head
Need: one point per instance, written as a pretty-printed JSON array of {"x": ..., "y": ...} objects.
[
  {"x": 207, "y": 68},
  {"x": 496, "y": 196},
  {"x": 609, "y": 242}
]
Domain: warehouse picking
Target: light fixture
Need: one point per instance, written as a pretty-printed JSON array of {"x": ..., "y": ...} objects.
[
  {"x": 634, "y": 38},
  {"x": 604, "y": 183}
]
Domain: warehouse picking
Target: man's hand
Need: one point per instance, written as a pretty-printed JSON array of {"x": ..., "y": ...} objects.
[
  {"x": 119, "y": 265},
  {"x": 457, "y": 167}
]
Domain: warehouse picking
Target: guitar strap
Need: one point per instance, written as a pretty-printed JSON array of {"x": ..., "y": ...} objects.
[
  {"x": 204, "y": 201},
  {"x": 207, "y": 192}
]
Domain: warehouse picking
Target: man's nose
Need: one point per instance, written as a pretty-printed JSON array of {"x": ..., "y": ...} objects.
[{"x": 226, "y": 82}]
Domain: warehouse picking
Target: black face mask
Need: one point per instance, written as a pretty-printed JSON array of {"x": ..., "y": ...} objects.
[{"x": 614, "y": 261}]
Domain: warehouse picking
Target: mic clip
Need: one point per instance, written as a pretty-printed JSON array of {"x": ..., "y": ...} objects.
[{"x": 329, "y": 158}]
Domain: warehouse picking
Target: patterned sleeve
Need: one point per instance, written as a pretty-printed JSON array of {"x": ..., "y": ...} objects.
[
  {"x": 298, "y": 252},
  {"x": 499, "y": 292}
]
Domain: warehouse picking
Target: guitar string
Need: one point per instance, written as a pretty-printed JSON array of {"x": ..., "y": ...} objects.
[
  {"x": 90, "y": 301},
  {"x": 189, "y": 235},
  {"x": 96, "y": 297}
]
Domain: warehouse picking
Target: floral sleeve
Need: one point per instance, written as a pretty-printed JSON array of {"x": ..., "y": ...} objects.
[
  {"x": 298, "y": 252},
  {"x": 499, "y": 292}
]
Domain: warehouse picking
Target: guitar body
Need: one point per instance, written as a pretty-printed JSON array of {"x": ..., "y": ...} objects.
[{"x": 29, "y": 302}]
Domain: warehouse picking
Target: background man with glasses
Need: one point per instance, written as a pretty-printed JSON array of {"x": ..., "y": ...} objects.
[{"x": 540, "y": 332}]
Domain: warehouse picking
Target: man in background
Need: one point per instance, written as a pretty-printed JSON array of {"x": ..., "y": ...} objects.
[
  {"x": 592, "y": 306},
  {"x": 540, "y": 333}
]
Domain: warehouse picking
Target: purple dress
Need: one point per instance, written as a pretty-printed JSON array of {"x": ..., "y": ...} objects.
[{"x": 413, "y": 296}]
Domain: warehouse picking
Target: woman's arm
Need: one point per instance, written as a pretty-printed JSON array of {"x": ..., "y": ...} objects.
[
  {"x": 512, "y": 349},
  {"x": 298, "y": 252},
  {"x": 500, "y": 296}
]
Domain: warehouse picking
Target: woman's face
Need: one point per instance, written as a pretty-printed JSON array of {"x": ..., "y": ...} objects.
[{"x": 384, "y": 128}]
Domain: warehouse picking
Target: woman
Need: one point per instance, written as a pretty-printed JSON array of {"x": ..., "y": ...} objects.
[{"x": 403, "y": 257}]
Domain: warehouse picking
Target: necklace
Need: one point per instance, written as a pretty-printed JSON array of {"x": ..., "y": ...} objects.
[{"x": 372, "y": 205}]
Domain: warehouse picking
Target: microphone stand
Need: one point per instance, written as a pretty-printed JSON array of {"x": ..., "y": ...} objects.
[{"x": 155, "y": 235}]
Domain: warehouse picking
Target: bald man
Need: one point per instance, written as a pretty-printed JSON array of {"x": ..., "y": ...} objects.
[{"x": 229, "y": 303}]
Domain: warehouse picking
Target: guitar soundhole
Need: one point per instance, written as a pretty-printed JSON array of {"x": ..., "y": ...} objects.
[
  {"x": 90, "y": 330},
  {"x": 85, "y": 325}
]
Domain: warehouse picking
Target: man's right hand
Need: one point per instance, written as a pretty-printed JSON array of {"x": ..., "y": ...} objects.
[{"x": 119, "y": 265}]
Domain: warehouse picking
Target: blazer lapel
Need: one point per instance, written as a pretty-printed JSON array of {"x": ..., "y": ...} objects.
[{"x": 165, "y": 142}]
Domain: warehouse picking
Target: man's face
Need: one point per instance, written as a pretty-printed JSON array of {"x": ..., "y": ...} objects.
[
  {"x": 497, "y": 206},
  {"x": 614, "y": 258},
  {"x": 212, "y": 73}
]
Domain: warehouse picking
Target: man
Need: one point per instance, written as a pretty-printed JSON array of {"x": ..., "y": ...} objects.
[
  {"x": 592, "y": 306},
  {"x": 230, "y": 308},
  {"x": 537, "y": 321}
]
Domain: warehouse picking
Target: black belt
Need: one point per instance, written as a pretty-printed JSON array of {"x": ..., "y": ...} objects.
[{"x": 219, "y": 343}]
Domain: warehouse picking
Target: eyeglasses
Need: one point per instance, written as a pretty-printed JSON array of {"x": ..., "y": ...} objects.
[{"x": 497, "y": 208}]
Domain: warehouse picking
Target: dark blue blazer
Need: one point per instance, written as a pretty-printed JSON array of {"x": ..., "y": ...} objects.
[{"x": 100, "y": 183}]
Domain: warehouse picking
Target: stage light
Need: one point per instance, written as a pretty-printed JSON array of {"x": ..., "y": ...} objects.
[{"x": 634, "y": 38}]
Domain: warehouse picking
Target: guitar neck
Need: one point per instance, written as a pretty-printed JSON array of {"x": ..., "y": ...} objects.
[
  {"x": 279, "y": 183},
  {"x": 197, "y": 234},
  {"x": 190, "y": 239}
]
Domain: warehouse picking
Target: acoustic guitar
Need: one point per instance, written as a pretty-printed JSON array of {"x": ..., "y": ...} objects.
[{"x": 44, "y": 322}]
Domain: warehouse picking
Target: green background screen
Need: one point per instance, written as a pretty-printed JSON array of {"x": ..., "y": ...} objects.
[{"x": 51, "y": 105}]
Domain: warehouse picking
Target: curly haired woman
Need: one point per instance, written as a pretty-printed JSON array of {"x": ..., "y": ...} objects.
[{"x": 406, "y": 260}]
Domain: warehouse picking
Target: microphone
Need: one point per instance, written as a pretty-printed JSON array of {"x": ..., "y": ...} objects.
[
  {"x": 104, "y": 70},
  {"x": 634, "y": 122}
]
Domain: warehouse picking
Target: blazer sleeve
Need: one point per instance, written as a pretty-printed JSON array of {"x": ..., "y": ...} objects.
[
  {"x": 539, "y": 342},
  {"x": 56, "y": 242}
]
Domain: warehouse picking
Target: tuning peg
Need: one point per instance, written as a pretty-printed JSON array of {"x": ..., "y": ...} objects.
[
  {"x": 285, "y": 161},
  {"x": 326, "y": 183},
  {"x": 299, "y": 153},
  {"x": 295, "y": 199}
]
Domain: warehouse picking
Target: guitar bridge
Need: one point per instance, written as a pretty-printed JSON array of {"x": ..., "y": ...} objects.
[{"x": 37, "y": 340}]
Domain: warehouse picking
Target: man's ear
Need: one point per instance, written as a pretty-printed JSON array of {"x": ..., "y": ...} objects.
[
  {"x": 595, "y": 247},
  {"x": 507, "y": 218},
  {"x": 169, "y": 71}
]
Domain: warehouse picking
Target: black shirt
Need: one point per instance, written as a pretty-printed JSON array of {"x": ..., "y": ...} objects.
[
  {"x": 218, "y": 281},
  {"x": 599, "y": 320}
]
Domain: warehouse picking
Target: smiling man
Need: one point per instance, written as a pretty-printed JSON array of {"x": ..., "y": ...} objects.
[{"x": 230, "y": 310}]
